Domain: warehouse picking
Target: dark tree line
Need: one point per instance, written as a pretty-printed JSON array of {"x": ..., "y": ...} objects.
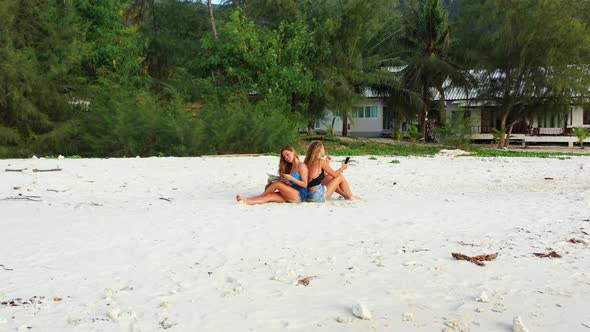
[{"x": 147, "y": 77}]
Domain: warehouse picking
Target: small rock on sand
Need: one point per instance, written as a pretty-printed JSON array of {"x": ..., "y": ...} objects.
[
  {"x": 343, "y": 320},
  {"x": 361, "y": 311},
  {"x": 455, "y": 326},
  {"x": 483, "y": 297},
  {"x": 408, "y": 317},
  {"x": 518, "y": 325},
  {"x": 24, "y": 327},
  {"x": 108, "y": 293},
  {"x": 114, "y": 314}
]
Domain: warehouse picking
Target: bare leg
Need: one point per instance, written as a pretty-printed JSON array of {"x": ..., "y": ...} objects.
[
  {"x": 339, "y": 182},
  {"x": 287, "y": 193},
  {"x": 327, "y": 180},
  {"x": 272, "y": 197}
]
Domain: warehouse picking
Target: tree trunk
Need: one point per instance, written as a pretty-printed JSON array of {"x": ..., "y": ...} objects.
[
  {"x": 502, "y": 127},
  {"x": 154, "y": 17},
  {"x": 344, "y": 125},
  {"x": 425, "y": 110},
  {"x": 212, "y": 18},
  {"x": 508, "y": 133}
]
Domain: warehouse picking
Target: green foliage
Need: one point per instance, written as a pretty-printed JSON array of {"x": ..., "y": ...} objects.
[
  {"x": 173, "y": 29},
  {"x": 426, "y": 40},
  {"x": 351, "y": 31},
  {"x": 364, "y": 148},
  {"x": 114, "y": 52},
  {"x": 36, "y": 59},
  {"x": 456, "y": 132},
  {"x": 500, "y": 134},
  {"x": 415, "y": 135},
  {"x": 246, "y": 60},
  {"x": 581, "y": 134},
  {"x": 372, "y": 158},
  {"x": 164, "y": 86},
  {"x": 535, "y": 50},
  {"x": 395, "y": 161},
  {"x": 524, "y": 154},
  {"x": 396, "y": 134},
  {"x": 241, "y": 127}
]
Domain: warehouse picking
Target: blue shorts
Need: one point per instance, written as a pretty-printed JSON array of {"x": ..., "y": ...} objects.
[
  {"x": 303, "y": 192},
  {"x": 317, "y": 196}
]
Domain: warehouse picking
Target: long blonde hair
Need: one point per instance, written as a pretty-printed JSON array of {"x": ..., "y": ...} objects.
[
  {"x": 285, "y": 167},
  {"x": 313, "y": 152}
]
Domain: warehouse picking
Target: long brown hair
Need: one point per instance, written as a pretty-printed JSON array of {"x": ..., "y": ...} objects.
[
  {"x": 285, "y": 167},
  {"x": 313, "y": 152}
]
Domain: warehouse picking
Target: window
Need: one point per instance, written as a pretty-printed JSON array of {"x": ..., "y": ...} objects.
[
  {"x": 553, "y": 120},
  {"x": 586, "y": 115},
  {"x": 365, "y": 112},
  {"x": 317, "y": 124}
]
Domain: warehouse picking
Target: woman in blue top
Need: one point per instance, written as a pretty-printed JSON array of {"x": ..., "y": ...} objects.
[{"x": 292, "y": 189}]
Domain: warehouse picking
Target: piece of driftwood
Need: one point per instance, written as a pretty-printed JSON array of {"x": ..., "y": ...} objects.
[
  {"x": 17, "y": 302},
  {"x": 5, "y": 268},
  {"x": 23, "y": 198},
  {"x": 166, "y": 199},
  {"x": 32, "y": 170},
  {"x": 468, "y": 244},
  {"x": 551, "y": 254},
  {"x": 576, "y": 241},
  {"x": 57, "y": 191},
  {"x": 477, "y": 260}
]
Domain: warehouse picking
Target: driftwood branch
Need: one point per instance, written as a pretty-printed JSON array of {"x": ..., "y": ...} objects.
[
  {"x": 57, "y": 191},
  {"x": 32, "y": 170},
  {"x": 5, "y": 268},
  {"x": 23, "y": 198}
]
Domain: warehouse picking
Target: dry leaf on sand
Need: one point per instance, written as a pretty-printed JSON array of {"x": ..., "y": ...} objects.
[
  {"x": 551, "y": 254},
  {"x": 305, "y": 281},
  {"x": 478, "y": 260}
]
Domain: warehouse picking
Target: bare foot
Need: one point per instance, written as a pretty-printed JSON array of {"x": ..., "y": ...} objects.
[{"x": 356, "y": 198}]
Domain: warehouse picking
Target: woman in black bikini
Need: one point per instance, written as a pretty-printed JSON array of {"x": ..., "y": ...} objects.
[
  {"x": 290, "y": 169},
  {"x": 320, "y": 186}
]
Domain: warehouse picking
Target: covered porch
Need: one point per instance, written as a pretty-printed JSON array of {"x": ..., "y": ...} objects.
[{"x": 543, "y": 128}]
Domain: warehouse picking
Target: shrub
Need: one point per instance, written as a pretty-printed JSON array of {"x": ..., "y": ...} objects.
[
  {"x": 241, "y": 127},
  {"x": 415, "y": 135},
  {"x": 581, "y": 134},
  {"x": 456, "y": 132}
]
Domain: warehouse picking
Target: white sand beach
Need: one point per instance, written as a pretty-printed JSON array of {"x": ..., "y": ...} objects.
[{"x": 161, "y": 244}]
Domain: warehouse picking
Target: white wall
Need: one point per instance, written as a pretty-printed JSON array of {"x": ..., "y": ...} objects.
[
  {"x": 359, "y": 126},
  {"x": 475, "y": 116},
  {"x": 577, "y": 117}
]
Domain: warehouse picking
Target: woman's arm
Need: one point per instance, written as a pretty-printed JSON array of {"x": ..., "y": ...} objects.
[
  {"x": 326, "y": 167},
  {"x": 302, "y": 172}
]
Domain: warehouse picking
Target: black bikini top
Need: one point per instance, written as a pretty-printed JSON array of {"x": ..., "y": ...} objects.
[{"x": 317, "y": 180}]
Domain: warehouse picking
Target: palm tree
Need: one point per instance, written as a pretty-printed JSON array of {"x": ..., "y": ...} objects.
[
  {"x": 352, "y": 29},
  {"x": 426, "y": 41}
]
